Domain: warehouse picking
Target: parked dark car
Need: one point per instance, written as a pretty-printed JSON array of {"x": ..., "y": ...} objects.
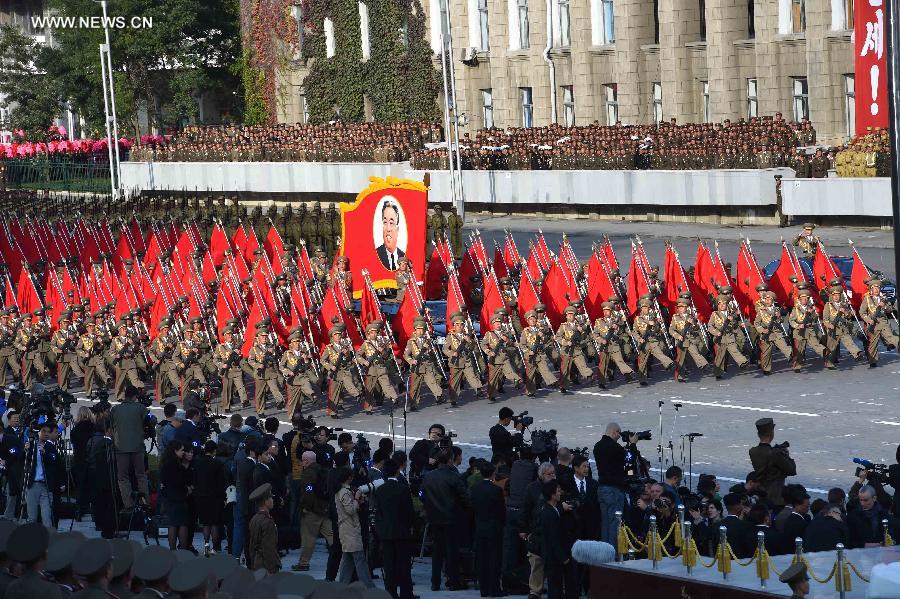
[{"x": 845, "y": 265}]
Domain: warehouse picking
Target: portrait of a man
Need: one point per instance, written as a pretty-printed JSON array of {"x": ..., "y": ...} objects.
[{"x": 390, "y": 252}]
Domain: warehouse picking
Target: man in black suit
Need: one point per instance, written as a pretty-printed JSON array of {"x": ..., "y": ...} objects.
[
  {"x": 490, "y": 515},
  {"x": 761, "y": 520},
  {"x": 12, "y": 452},
  {"x": 394, "y": 522},
  {"x": 245, "y": 468},
  {"x": 866, "y": 529},
  {"x": 504, "y": 443},
  {"x": 739, "y": 530},
  {"x": 556, "y": 546},
  {"x": 797, "y": 521},
  {"x": 388, "y": 252},
  {"x": 446, "y": 498},
  {"x": 826, "y": 530}
]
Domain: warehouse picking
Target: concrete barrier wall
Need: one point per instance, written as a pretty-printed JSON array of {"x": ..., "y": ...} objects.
[{"x": 867, "y": 196}]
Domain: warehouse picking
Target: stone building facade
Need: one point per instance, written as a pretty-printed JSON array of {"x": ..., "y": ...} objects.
[{"x": 640, "y": 61}]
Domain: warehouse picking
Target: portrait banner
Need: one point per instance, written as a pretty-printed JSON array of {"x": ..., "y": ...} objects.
[
  {"x": 384, "y": 224},
  {"x": 870, "y": 51}
]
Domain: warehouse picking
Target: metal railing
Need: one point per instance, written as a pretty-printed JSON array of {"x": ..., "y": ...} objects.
[{"x": 77, "y": 175}]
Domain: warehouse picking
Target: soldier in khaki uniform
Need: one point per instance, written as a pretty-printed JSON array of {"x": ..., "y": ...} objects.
[
  {"x": 532, "y": 343},
  {"x": 63, "y": 345},
  {"x": 403, "y": 276},
  {"x": 263, "y": 361},
  {"x": 723, "y": 325},
  {"x": 227, "y": 358},
  {"x": 497, "y": 344},
  {"x": 187, "y": 359},
  {"x": 123, "y": 353},
  {"x": 571, "y": 353},
  {"x": 27, "y": 343},
  {"x": 837, "y": 319},
  {"x": 874, "y": 311},
  {"x": 547, "y": 337},
  {"x": 460, "y": 348},
  {"x": 421, "y": 356},
  {"x": 455, "y": 224},
  {"x": 375, "y": 356},
  {"x": 90, "y": 350},
  {"x": 320, "y": 268},
  {"x": 8, "y": 358},
  {"x": 771, "y": 334},
  {"x": 806, "y": 241},
  {"x": 685, "y": 331},
  {"x": 161, "y": 354},
  {"x": 803, "y": 320},
  {"x": 297, "y": 369},
  {"x": 337, "y": 360},
  {"x": 648, "y": 334},
  {"x": 607, "y": 332}
]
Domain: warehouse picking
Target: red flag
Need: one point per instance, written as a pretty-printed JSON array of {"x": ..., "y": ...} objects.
[
  {"x": 600, "y": 288},
  {"x": 250, "y": 246},
  {"x": 455, "y": 301},
  {"x": 636, "y": 282},
  {"x": 701, "y": 300},
  {"x": 252, "y": 320},
  {"x": 122, "y": 253},
  {"x": 511, "y": 256},
  {"x": 543, "y": 252},
  {"x": 609, "y": 254},
  {"x": 824, "y": 269},
  {"x": 492, "y": 301},
  {"x": 467, "y": 269},
  {"x": 568, "y": 259},
  {"x": 218, "y": 243},
  {"x": 369, "y": 308},
  {"x": 273, "y": 246},
  {"x": 9, "y": 297},
  {"x": 533, "y": 267},
  {"x": 555, "y": 293},
  {"x": 434, "y": 276},
  {"x": 673, "y": 283},
  {"x": 858, "y": 277},
  {"x": 780, "y": 283},
  {"x": 749, "y": 275},
  {"x": 704, "y": 269},
  {"x": 153, "y": 251},
  {"x": 137, "y": 237},
  {"x": 27, "y": 295},
  {"x": 239, "y": 238},
  {"x": 403, "y": 320},
  {"x": 499, "y": 263},
  {"x": 527, "y": 296}
]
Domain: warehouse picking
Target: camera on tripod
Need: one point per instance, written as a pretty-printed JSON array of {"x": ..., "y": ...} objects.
[
  {"x": 524, "y": 419},
  {"x": 362, "y": 451},
  {"x": 208, "y": 424},
  {"x": 641, "y": 435},
  {"x": 100, "y": 397}
]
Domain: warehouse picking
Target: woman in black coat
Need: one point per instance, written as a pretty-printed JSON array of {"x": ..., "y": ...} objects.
[
  {"x": 209, "y": 494},
  {"x": 175, "y": 488},
  {"x": 80, "y": 435},
  {"x": 100, "y": 479}
]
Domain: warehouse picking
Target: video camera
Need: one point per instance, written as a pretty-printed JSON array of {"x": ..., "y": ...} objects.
[
  {"x": 544, "y": 444},
  {"x": 362, "y": 451},
  {"x": 208, "y": 424},
  {"x": 524, "y": 419},
  {"x": 784, "y": 445},
  {"x": 150, "y": 424},
  {"x": 641, "y": 435},
  {"x": 875, "y": 473},
  {"x": 100, "y": 397},
  {"x": 42, "y": 404},
  {"x": 446, "y": 441}
]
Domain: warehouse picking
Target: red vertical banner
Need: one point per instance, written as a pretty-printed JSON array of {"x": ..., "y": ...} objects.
[
  {"x": 384, "y": 224},
  {"x": 871, "y": 65}
]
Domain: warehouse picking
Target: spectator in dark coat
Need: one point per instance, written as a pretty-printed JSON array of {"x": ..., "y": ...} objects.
[
  {"x": 394, "y": 522},
  {"x": 209, "y": 494},
  {"x": 490, "y": 514},
  {"x": 865, "y": 523},
  {"x": 738, "y": 529},
  {"x": 797, "y": 521},
  {"x": 101, "y": 479},
  {"x": 80, "y": 435},
  {"x": 826, "y": 530},
  {"x": 175, "y": 488},
  {"x": 556, "y": 545},
  {"x": 446, "y": 498}
]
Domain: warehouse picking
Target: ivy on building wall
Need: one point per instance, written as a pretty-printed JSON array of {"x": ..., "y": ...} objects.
[{"x": 269, "y": 43}]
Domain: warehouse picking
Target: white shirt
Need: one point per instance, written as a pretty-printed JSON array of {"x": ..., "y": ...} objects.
[{"x": 392, "y": 259}]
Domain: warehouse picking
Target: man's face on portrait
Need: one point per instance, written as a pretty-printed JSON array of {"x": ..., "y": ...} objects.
[{"x": 390, "y": 221}]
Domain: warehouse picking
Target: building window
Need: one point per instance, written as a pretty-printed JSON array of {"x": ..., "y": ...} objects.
[
  {"x": 655, "y": 21},
  {"x": 445, "y": 20},
  {"x": 527, "y": 107},
  {"x": 609, "y": 21},
  {"x": 404, "y": 34},
  {"x": 850, "y": 104},
  {"x": 364, "y": 30},
  {"x": 569, "y": 105},
  {"x": 657, "y": 103},
  {"x": 483, "y": 25},
  {"x": 603, "y": 22},
  {"x": 702, "y": 20},
  {"x": 752, "y": 99},
  {"x": 612, "y": 103},
  {"x": 842, "y": 15},
  {"x": 705, "y": 101},
  {"x": 751, "y": 19},
  {"x": 297, "y": 13},
  {"x": 487, "y": 107},
  {"x": 848, "y": 14},
  {"x": 798, "y": 16},
  {"x": 565, "y": 33},
  {"x": 329, "y": 37},
  {"x": 801, "y": 99},
  {"x": 523, "y": 23}
]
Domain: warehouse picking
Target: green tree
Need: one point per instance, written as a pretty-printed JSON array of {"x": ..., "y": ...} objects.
[{"x": 30, "y": 93}]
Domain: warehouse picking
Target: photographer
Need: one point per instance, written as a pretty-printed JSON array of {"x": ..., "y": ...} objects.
[
  {"x": 189, "y": 434},
  {"x": 865, "y": 522},
  {"x": 12, "y": 454},
  {"x": 315, "y": 520},
  {"x": 167, "y": 428},
  {"x": 232, "y": 437},
  {"x": 323, "y": 449},
  {"x": 46, "y": 475},
  {"x": 194, "y": 398},
  {"x": 345, "y": 442},
  {"x": 127, "y": 424},
  {"x": 503, "y": 442},
  {"x": 347, "y": 502},
  {"x": 423, "y": 455},
  {"x": 771, "y": 464},
  {"x": 610, "y": 459},
  {"x": 446, "y": 498}
]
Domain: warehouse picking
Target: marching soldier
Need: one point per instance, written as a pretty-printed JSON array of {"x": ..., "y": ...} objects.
[
  {"x": 771, "y": 334},
  {"x": 264, "y": 363},
  {"x": 624, "y": 338},
  {"x": 547, "y": 335},
  {"x": 8, "y": 358},
  {"x": 803, "y": 320},
  {"x": 420, "y": 354},
  {"x": 123, "y": 351},
  {"x": 723, "y": 324},
  {"x": 162, "y": 350},
  {"x": 874, "y": 310},
  {"x": 373, "y": 356},
  {"x": 342, "y": 275},
  {"x": 337, "y": 360},
  {"x": 403, "y": 276},
  {"x": 90, "y": 350},
  {"x": 648, "y": 335},
  {"x": 296, "y": 366},
  {"x": 204, "y": 343},
  {"x": 320, "y": 268},
  {"x": 837, "y": 320},
  {"x": 583, "y": 323},
  {"x": 227, "y": 359},
  {"x": 27, "y": 345},
  {"x": 532, "y": 343},
  {"x": 497, "y": 343},
  {"x": 685, "y": 331},
  {"x": 608, "y": 333},
  {"x": 460, "y": 348},
  {"x": 806, "y": 241},
  {"x": 63, "y": 345},
  {"x": 569, "y": 337},
  {"x": 187, "y": 358}
]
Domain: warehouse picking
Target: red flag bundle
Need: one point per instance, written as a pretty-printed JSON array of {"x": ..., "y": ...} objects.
[
  {"x": 555, "y": 293},
  {"x": 749, "y": 275},
  {"x": 492, "y": 301},
  {"x": 858, "y": 277},
  {"x": 636, "y": 282}
]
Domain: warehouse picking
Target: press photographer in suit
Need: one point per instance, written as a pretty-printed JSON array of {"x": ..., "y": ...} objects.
[
  {"x": 502, "y": 441},
  {"x": 772, "y": 464}
]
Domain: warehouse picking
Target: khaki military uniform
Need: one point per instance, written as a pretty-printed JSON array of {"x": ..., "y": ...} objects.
[
  {"x": 874, "y": 312},
  {"x": 533, "y": 345},
  {"x": 496, "y": 345},
  {"x": 771, "y": 335},
  {"x": 90, "y": 350},
  {"x": 297, "y": 370},
  {"x": 607, "y": 333},
  {"x": 809, "y": 244},
  {"x": 460, "y": 353},
  {"x": 723, "y": 328},
  {"x": 337, "y": 360},
  {"x": 8, "y": 354},
  {"x": 838, "y": 324},
  {"x": 686, "y": 333},
  {"x": 803, "y": 322},
  {"x": 63, "y": 345},
  {"x": 649, "y": 338},
  {"x": 422, "y": 369},
  {"x": 377, "y": 360},
  {"x": 126, "y": 370},
  {"x": 32, "y": 362},
  {"x": 265, "y": 376},
  {"x": 161, "y": 350},
  {"x": 187, "y": 356},
  {"x": 262, "y": 543},
  {"x": 569, "y": 338},
  {"x": 228, "y": 362}
]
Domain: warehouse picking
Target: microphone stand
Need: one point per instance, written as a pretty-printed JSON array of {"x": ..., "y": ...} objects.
[
  {"x": 659, "y": 445},
  {"x": 676, "y": 405}
]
